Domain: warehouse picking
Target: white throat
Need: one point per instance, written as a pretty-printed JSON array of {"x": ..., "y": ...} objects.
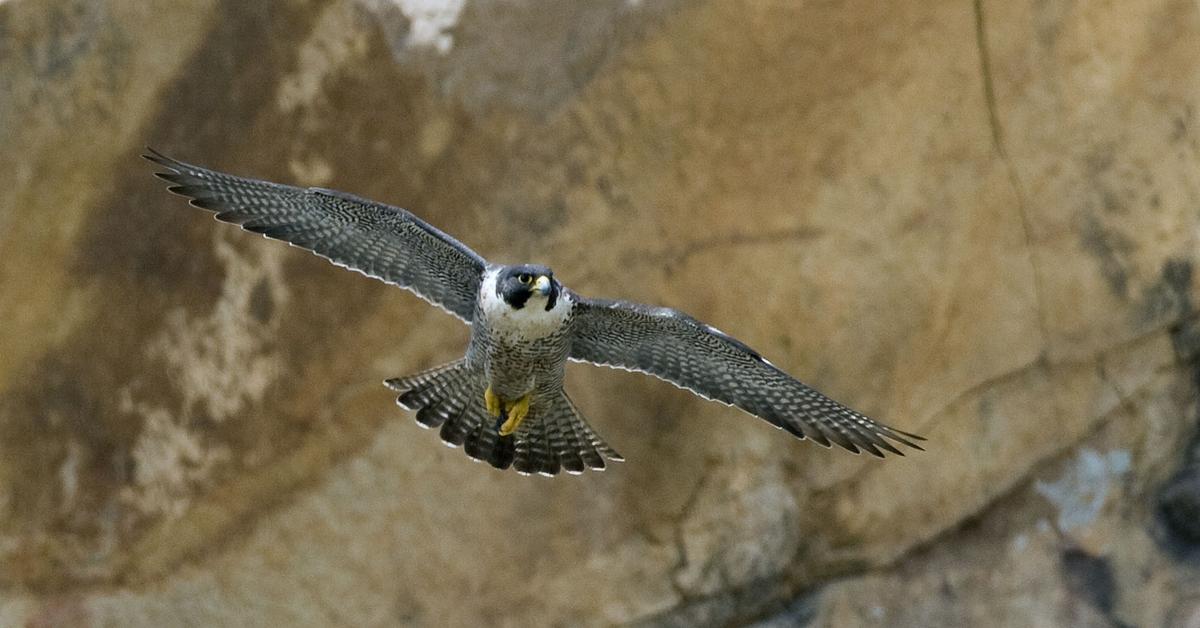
[{"x": 531, "y": 322}]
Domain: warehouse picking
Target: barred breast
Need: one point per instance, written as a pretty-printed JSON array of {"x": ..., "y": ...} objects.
[{"x": 519, "y": 349}]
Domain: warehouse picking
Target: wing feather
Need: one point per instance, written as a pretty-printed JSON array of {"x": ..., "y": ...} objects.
[
  {"x": 378, "y": 240},
  {"x": 675, "y": 347}
]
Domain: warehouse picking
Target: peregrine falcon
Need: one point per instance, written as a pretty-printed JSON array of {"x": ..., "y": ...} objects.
[{"x": 503, "y": 402}]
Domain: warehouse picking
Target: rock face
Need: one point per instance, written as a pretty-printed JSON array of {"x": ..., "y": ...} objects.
[{"x": 975, "y": 221}]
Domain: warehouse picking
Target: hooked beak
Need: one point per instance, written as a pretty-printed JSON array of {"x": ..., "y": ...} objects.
[{"x": 542, "y": 285}]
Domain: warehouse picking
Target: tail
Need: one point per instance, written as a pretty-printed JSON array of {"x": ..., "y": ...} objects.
[{"x": 554, "y": 436}]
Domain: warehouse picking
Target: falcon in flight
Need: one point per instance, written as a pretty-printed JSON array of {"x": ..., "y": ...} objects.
[{"x": 503, "y": 402}]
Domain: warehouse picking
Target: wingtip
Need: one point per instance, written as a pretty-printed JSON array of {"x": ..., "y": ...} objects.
[
  {"x": 153, "y": 155},
  {"x": 904, "y": 440},
  {"x": 906, "y": 443}
]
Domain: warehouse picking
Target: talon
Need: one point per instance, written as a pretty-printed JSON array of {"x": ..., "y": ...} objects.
[
  {"x": 516, "y": 413},
  {"x": 492, "y": 402}
]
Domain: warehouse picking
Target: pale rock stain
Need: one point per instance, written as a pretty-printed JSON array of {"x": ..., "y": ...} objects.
[
  {"x": 68, "y": 476},
  {"x": 222, "y": 362},
  {"x": 428, "y": 22},
  {"x": 1083, "y": 489},
  {"x": 335, "y": 42},
  {"x": 172, "y": 461},
  {"x": 311, "y": 170}
]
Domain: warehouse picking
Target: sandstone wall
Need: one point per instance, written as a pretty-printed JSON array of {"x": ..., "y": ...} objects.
[{"x": 976, "y": 221}]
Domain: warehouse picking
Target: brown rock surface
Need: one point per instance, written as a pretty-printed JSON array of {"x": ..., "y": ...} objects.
[{"x": 974, "y": 221}]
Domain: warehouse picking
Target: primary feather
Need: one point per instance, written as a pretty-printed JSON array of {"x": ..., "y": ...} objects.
[
  {"x": 673, "y": 346},
  {"x": 378, "y": 240}
]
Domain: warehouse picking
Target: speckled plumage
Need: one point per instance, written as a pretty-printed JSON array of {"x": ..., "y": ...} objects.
[{"x": 522, "y": 338}]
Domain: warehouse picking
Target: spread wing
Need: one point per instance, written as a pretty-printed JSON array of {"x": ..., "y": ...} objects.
[
  {"x": 377, "y": 240},
  {"x": 673, "y": 346}
]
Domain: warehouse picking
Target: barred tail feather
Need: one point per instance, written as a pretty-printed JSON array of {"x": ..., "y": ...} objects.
[
  {"x": 563, "y": 443},
  {"x": 533, "y": 453},
  {"x": 598, "y": 445},
  {"x": 552, "y": 437},
  {"x": 454, "y": 432},
  {"x": 576, "y": 446},
  {"x": 439, "y": 386},
  {"x": 505, "y": 452}
]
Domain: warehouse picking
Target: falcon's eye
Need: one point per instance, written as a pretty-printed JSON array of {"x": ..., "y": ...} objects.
[{"x": 525, "y": 278}]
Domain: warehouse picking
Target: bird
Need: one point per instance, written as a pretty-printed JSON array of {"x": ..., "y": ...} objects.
[{"x": 504, "y": 401}]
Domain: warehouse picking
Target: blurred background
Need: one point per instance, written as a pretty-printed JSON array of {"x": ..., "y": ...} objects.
[{"x": 977, "y": 221}]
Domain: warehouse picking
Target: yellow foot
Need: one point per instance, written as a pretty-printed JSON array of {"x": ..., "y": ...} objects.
[
  {"x": 492, "y": 402},
  {"x": 516, "y": 414}
]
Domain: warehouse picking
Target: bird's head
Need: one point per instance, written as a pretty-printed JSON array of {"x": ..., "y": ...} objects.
[{"x": 528, "y": 285}]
